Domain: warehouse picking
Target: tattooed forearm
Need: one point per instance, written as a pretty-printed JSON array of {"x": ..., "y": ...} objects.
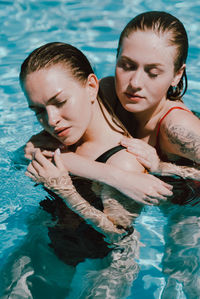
[
  {"x": 188, "y": 141},
  {"x": 63, "y": 187},
  {"x": 166, "y": 168}
]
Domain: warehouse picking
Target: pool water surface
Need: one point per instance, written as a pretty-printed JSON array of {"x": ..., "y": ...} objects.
[{"x": 169, "y": 258}]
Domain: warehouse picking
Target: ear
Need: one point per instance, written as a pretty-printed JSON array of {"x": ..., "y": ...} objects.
[
  {"x": 93, "y": 86},
  {"x": 178, "y": 75}
]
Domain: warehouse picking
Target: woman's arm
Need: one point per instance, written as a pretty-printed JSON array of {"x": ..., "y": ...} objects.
[
  {"x": 180, "y": 135},
  {"x": 148, "y": 157},
  {"x": 141, "y": 187},
  {"x": 185, "y": 172},
  {"x": 55, "y": 177}
]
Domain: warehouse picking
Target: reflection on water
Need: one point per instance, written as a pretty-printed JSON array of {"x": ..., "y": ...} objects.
[
  {"x": 181, "y": 262},
  {"x": 46, "y": 262},
  {"x": 169, "y": 261}
]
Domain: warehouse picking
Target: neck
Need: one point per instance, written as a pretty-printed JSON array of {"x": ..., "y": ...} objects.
[
  {"x": 100, "y": 134},
  {"x": 148, "y": 119}
]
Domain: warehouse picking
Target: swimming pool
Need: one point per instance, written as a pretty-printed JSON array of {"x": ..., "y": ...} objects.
[{"x": 25, "y": 255}]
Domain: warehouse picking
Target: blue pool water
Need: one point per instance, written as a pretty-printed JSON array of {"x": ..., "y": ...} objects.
[{"x": 170, "y": 260}]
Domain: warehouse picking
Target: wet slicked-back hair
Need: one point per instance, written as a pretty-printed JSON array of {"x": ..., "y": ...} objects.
[
  {"x": 161, "y": 22},
  {"x": 54, "y": 53}
]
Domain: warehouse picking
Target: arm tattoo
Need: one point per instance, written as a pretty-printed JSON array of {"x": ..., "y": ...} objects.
[{"x": 186, "y": 140}]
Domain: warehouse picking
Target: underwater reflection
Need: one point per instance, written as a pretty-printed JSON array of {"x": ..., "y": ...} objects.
[{"x": 181, "y": 261}]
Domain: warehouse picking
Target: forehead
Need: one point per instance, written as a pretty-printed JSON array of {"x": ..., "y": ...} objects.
[
  {"x": 149, "y": 46},
  {"x": 45, "y": 83},
  {"x": 52, "y": 74}
]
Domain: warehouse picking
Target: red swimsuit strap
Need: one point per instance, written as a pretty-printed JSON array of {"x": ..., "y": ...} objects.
[{"x": 159, "y": 124}]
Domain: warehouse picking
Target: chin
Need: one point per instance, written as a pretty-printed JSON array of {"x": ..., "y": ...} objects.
[
  {"x": 131, "y": 108},
  {"x": 69, "y": 142}
]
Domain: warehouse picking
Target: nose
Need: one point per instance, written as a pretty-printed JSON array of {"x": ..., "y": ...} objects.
[
  {"x": 136, "y": 79},
  {"x": 53, "y": 116}
]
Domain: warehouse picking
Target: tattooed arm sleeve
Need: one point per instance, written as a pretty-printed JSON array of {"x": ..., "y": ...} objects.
[
  {"x": 166, "y": 168},
  {"x": 185, "y": 140},
  {"x": 64, "y": 188}
]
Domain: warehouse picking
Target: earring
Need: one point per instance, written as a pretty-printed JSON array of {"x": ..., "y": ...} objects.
[{"x": 174, "y": 88}]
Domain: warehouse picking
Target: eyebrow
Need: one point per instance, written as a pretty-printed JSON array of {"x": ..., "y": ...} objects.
[
  {"x": 53, "y": 98},
  {"x": 150, "y": 65}
]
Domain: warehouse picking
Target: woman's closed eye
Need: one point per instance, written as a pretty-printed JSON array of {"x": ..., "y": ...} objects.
[
  {"x": 38, "y": 110},
  {"x": 60, "y": 103},
  {"x": 126, "y": 66},
  {"x": 152, "y": 75},
  {"x": 153, "y": 72}
]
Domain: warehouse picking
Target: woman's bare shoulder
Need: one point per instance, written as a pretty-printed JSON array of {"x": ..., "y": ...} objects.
[
  {"x": 126, "y": 161},
  {"x": 179, "y": 114}
]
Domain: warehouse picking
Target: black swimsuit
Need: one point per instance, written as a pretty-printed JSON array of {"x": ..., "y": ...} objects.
[
  {"x": 72, "y": 239},
  {"x": 105, "y": 156}
]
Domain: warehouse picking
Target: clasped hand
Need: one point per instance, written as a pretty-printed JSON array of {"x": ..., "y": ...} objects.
[{"x": 42, "y": 170}]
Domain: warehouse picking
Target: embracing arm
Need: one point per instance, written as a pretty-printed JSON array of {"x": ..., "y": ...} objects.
[
  {"x": 141, "y": 187},
  {"x": 148, "y": 157}
]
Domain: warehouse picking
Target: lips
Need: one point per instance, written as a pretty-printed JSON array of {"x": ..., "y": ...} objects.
[
  {"x": 133, "y": 96},
  {"x": 60, "y": 132}
]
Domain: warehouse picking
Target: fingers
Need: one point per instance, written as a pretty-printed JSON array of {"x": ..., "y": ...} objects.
[
  {"x": 32, "y": 173},
  {"x": 28, "y": 150},
  {"x": 132, "y": 141},
  {"x": 33, "y": 169},
  {"x": 144, "y": 162},
  {"x": 57, "y": 159},
  {"x": 146, "y": 201},
  {"x": 158, "y": 191},
  {"x": 139, "y": 147},
  {"x": 156, "y": 196},
  {"x": 160, "y": 182},
  {"x": 28, "y": 174},
  {"x": 154, "y": 199},
  {"x": 136, "y": 145},
  {"x": 168, "y": 186},
  {"x": 48, "y": 154},
  {"x": 28, "y": 156},
  {"x": 145, "y": 153},
  {"x": 40, "y": 159},
  {"x": 38, "y": 165},
  {"x": 164, "y": 190}
]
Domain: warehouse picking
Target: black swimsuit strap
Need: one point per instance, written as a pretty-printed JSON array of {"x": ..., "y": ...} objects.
[{"x": 105, "y": 156}]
